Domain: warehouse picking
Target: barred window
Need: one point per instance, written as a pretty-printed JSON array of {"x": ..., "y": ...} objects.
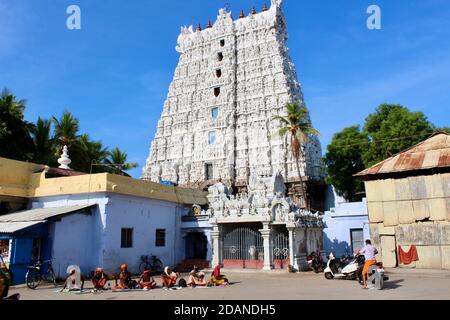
[
  {"x": 160, "y": 238},
  {"x": 127, "y": 238}
]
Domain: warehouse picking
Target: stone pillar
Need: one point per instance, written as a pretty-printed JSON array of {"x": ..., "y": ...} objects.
[
  {"x": 266, "y": 232},
  {"x": 291, "y": 244},
  {"x": 216, "y": 245}
]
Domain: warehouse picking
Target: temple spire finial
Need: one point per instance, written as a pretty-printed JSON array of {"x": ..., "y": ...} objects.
[
  {"x": 242, "y": 15},
  {"x": 64, "y": 160},
  {"x": 209, "y": 25},
  {"x": 253, "y": 10},
  {"x": 264, "y": 7},
  {"x": 199, "y": 27}
]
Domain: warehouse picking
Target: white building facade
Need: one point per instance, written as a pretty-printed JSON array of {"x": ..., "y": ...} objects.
[{"x": 119, "y": 229}]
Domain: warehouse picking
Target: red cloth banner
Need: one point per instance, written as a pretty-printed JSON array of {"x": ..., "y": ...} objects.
[{"x": 407, "y": 257}]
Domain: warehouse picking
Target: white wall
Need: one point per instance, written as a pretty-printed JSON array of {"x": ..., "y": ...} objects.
[{"x": 144, "y": 216}]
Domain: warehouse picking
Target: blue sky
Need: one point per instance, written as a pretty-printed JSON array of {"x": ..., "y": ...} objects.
[{"x": 114, "y": 73}]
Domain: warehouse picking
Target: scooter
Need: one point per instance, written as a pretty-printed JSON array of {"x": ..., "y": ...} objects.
[{"x": 348, "y": 271}]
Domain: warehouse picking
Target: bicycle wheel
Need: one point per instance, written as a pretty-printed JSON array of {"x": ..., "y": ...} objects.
[
  {"x": 50, "y": 276},
  {"x": 157, "y": 266},
  {"x": 33, "y": 278}
]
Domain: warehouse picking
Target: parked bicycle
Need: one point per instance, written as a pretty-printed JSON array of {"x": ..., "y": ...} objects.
[
  {"x": 151, "y": 262},
  {"x": 40, "y": 271}
]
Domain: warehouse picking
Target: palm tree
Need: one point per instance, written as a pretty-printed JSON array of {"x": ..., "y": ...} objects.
[
  {"x": 84, "y": 152},
  {"x": 43, "y": 143},
  {"x": 117, "y": 160},
  {"x": 66, "y": 129},
  {"x": 15, "y": 132},
  {"x": 297, "y": 126}
]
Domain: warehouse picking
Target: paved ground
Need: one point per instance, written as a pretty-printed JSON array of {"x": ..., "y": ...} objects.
[{"x": 403, "y": 284}]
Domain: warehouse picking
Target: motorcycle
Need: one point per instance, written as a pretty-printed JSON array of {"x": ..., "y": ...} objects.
[
  {"x": 344, "y": 268},
  {"x": 316, "y": 262}
]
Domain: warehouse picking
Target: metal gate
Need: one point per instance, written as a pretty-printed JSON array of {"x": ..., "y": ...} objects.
[
  {"x": 243, "y": 248},
  {"x": 280, "y": 245}
]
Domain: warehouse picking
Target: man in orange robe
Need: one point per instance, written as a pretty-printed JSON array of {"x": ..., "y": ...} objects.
[
  {"x": 146, "y": 280},
  {"x": 99, "y": 279}
]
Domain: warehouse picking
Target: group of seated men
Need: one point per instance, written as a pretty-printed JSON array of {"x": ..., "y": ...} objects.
[{"x": 123, "y": 280}]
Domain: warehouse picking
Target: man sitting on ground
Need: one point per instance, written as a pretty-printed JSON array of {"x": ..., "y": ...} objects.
[
  {"x": 99, "y": 279},
  {"x": 196, "y": 278},
  {"x": 75, "y": 280},
  {"x": 124, "y": 279},
  {"x": 169, "y": 278},
  {"x": 218, "y": 279},
  {"x": 146, "y": 280}
]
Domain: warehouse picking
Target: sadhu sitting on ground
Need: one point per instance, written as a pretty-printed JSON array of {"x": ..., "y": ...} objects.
[
  {"x": 146, "y": 280},
  {"x": 124, "y": 279},
  {"x": 218, "y": 279},
  {"x": 99, "y": 279},
  {"x": 169, "y": 278},
  {"x": 196, "y": 278},
  {"x": 75, "y": 280}
]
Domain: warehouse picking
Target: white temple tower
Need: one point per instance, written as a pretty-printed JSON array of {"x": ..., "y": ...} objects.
[{"x": 231, "y": 79}]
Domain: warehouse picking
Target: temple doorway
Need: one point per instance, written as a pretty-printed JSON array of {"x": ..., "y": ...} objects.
[
  {"x": 196, "y": 246},
  {"x": 243, "y": 248}
]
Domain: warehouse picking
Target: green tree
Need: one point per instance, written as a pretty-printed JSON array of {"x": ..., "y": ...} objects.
[
  {"x": 66, "y": 129},
  {"x": 344, "y": 159},
  {"x": 117, "y": 160},
  {"x": 44, "y": 144},
  {"x": 297, "y": 127},
  {"x": 392, "y": 129},
  {"x": 444, "y": 129},
  {"x": 15, "y": 133},
  {"x": 84, "y": 152},
  {"x": 389, "y": 130}
]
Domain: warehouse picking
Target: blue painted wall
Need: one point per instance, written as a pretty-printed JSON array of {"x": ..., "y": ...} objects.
[{"x": 340, "y": 221}]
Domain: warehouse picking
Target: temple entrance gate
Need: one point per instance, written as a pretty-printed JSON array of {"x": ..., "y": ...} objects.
[
  {"x": 243, "y": 248},
  {"x": 280, "y": 249}
]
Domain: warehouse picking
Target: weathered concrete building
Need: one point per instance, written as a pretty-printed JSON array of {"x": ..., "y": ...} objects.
[{"x": 409, "y": 203}]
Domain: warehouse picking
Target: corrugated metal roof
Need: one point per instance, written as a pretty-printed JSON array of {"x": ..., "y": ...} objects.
[
  {"x": 431, "y": 153},
  {"x": 41, "y": 214},
  {"x": 11, "y": 227}
]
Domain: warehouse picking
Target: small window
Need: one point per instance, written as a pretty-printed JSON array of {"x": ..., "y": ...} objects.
[
  {"x": 220, "y": 56},
  {"x": 222, "y": 43},
  {"x": 212, "y": 137},
  {"x": 217, "y": 91},
  {"x": 160, "y": 238},
  {"x": 357, "y": 239},
  {"x": 209, "y": 173},
  {"x": 127, "y": 238},
  {"x": 218, "y": 73},
  {"x": 215, "y": 113}
]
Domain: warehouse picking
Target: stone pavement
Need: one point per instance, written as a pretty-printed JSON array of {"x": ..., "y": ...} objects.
[{"x": 279, "y": 285}]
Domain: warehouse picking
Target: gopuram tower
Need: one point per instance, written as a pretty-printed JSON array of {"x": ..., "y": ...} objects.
[{"x": 232, "y": 78}]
